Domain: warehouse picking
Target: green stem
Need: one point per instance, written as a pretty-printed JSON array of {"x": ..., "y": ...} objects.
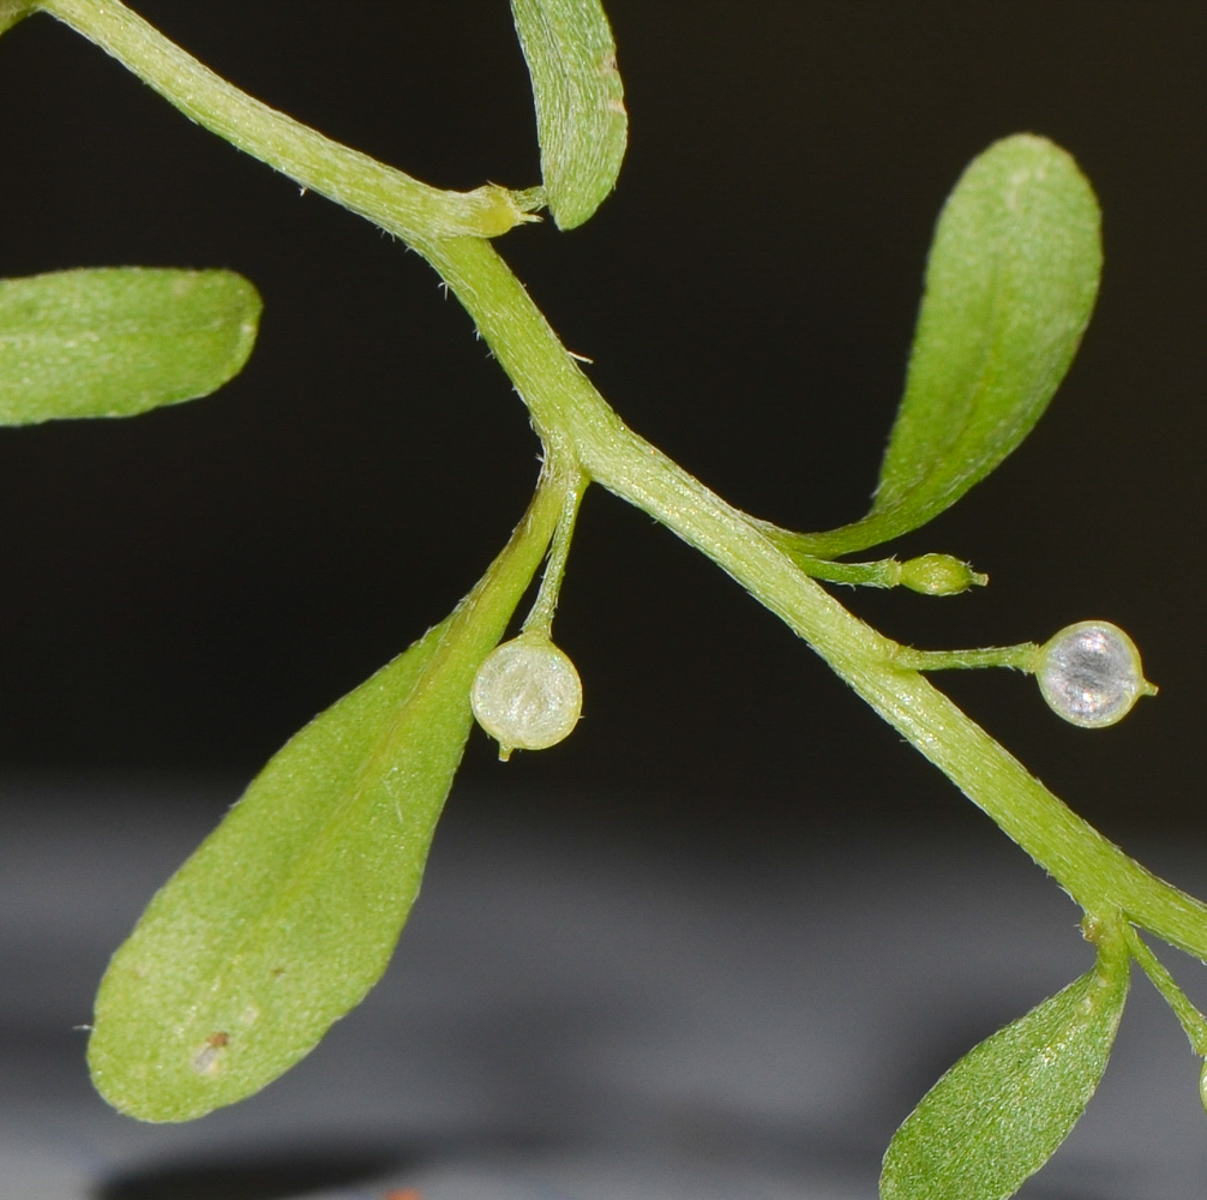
[
  {"x": 567, "y": 411},
  {"x": 540, "y": 619},
  {"x": 931, "y": 574},
  {"x": 576, "y": 424},
  {"x": 882, "y": 573},
  {"x": 1192, "y": 1021},
  {"x": 398, "y": 203},
  {"x": 1018, "y": 658}
]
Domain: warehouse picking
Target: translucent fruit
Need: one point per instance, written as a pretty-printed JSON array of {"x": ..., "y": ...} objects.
[
  {"x": 527, "y": 695},
  {"x": 1090, "y": 674}
]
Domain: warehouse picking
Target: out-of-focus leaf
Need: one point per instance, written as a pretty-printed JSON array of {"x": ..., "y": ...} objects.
[
  {"x": 12, "y": 11},
  {"x": 117, "y": 341},
  {"x": 580, "y": 115},
  {"x": 1000, "y": 1113},
  {"x": 288, "y": 913},
  {"x": 1010, "y": 285}
]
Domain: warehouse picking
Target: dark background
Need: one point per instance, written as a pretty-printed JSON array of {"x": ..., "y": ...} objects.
[{"x": 183, "y": 590}]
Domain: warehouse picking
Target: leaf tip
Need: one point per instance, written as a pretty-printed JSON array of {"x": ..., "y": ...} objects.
[{"x": 582, "y": 122}]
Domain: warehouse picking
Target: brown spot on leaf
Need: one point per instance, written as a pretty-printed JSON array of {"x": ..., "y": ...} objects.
[{"x": 208, "y": 1060}]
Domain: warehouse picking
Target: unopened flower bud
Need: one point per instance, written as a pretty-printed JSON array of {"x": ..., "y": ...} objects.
[{"x": 939, "y": 575}]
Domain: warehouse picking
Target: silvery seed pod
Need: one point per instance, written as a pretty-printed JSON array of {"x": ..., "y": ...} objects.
[
  {"x": 1090, "y": 674},
  {"x": 527, "y": 695}
]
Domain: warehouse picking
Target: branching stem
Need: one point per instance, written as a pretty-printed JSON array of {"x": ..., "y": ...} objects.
[
  {"x": 398, "y": 203},
  {"x": 567, "y": 410},
  {"x": 577, "y": 425},
  {"x": 1192, "y": 1021},
  {"x": 540, "y": 619}
]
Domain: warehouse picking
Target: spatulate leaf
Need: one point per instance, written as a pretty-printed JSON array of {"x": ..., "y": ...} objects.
[
  {"x": 288, "y": 913},
  {"x": 1010, "y": 285},
  {"x": 581, "y": 120},
  {"x": 116, "y": 341},
  {"x": 1001, "y": 1112}
]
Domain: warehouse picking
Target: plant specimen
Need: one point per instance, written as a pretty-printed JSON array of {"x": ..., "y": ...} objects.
[{"x": 289, "y": 912}]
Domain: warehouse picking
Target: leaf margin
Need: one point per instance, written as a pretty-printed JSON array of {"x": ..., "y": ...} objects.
[
  {"x": 910, "y": 1171},
  {"x": 169, "y": 1049},
  {"x": 900, "y": 504},
  {"x": 95, "y": 342},
  {"x": 582, "y": 124}
]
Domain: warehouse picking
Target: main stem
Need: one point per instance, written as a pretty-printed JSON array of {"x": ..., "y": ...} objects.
[
  {"x": 577, "y": 425},
  {"x": 568, "y": 411}
]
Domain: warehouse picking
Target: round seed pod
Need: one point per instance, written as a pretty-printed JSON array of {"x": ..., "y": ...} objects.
[
  {"x": 526, "y": 695},
  {"x": 1090, "y": 674}
]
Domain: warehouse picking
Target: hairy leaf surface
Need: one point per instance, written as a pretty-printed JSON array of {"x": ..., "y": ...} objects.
[
  {"x": 288, "y": 913},
  {"x": 1010, "y": 285},
  {"x": 1000, "y": 1113},
  {"x": 580, "y": 115},
  {"x": 116, "y": 341}
]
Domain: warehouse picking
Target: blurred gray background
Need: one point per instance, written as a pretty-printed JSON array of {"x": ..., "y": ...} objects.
[{"x": 184, "y": 590}]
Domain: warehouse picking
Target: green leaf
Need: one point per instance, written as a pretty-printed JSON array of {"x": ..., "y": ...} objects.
[
  {"x": 288, "y": 913},
  {"x": 1010, "y": 285},
  {"x": 1000, "y": 1113},
  {"x": 113, "y": 342},
  {"x": 580, "y": 115},
  {"x": 12, "y": 11}
]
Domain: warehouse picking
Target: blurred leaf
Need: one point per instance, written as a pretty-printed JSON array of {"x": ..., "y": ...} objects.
[
  {"x": 113, "y": 342},
  {"x": 12, "y": 11},
  {"x": 288, "y": 913},
  {"x": 1000, "y": 1113},
  {"x": 1010, "y": 285},
  {"x": 580, "y": 116}
]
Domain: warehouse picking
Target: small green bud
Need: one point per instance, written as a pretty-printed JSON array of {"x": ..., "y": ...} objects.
[
  {"x": 527, "y": 695},
  {"x": 492, "y": 210},
  {"x": 940, "y": 575}
]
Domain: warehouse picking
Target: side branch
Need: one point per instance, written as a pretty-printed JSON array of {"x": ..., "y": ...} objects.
[
  {"x": 577, "y": 425},
  {"x": 570, "y": 413},
  {"x": 398, "y": 203}
]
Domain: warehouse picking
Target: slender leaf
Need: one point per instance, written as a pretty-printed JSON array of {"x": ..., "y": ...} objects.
[
  {"x": 580, "y": 115},
  {"x": 288, "y": 913},
  {"x": 1000, "y": 1113},
  {"x": 1010, "y": 285},
  {"x": 113, "y": 342}
]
